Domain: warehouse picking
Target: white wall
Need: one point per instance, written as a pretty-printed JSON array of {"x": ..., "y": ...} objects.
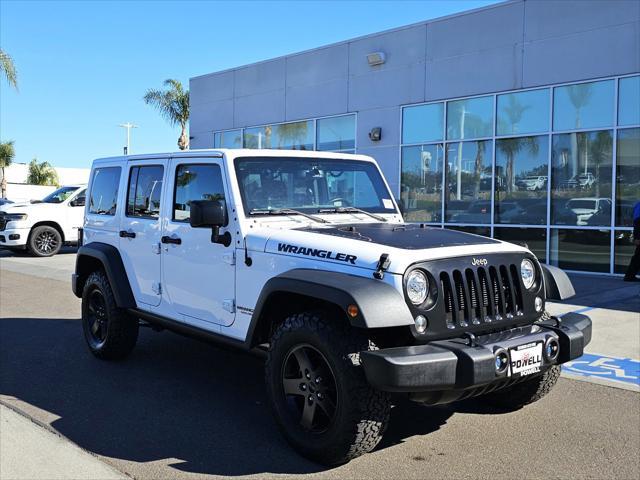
[{"x": 19, "y": 190}]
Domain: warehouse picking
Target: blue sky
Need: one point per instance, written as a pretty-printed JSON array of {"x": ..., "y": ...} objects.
[{"x": 83, "y": 67}]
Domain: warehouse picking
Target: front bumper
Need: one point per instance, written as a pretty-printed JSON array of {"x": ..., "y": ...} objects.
[
  {"x": 14, "y": 237},
  {"x": 462, "y": 364}
]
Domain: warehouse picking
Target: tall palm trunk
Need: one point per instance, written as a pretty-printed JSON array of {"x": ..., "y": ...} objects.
[
  {"x": 183, "y": 141},
  {"x": 3, "y": 185}
]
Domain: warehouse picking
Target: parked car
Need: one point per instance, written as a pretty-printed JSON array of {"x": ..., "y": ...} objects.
[
  {"x": 587, "y": 207},
  {"x": 275, "y": 250},
  {"x": 43, "y": 226},
  {"x": 532, "y": 183}
]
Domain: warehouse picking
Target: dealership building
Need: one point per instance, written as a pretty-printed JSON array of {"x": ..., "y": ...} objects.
[{"x": 520, "y": 120}]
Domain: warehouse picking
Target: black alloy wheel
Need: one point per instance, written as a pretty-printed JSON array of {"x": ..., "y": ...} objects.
[
  {"x": 45, "y": 241},
  {"x": 310, "y": 388},
  {"x": 98, "y": 321}
]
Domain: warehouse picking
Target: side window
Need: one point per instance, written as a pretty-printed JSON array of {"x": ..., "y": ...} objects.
[
  {"x": 80, "y": 199},
  {"x": 104, "y": 191},
  {"x": 143, "y": 195},
  {"x": 195, "y": 182}
]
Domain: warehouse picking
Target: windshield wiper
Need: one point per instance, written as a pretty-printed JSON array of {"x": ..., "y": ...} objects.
[
  {"x": 352, "y": 210},
  {"x": 285, "y": 211}
]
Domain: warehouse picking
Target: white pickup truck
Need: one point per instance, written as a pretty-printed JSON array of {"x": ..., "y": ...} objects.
[{"x": 43, "y": 226}]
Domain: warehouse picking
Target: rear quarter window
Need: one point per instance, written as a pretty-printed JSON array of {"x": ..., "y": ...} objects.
[{"x": 103, "y": 199}]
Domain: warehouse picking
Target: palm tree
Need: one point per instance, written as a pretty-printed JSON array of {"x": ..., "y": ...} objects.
[
  {"x": 173, "y": 104},
  {"x": 8, "y": 69},
  {"x": 41, "y": 173},
  {"x": 292, "y": 134},
  {"x": 511, "y": 147},
  {"x": 7, "y": 153}
]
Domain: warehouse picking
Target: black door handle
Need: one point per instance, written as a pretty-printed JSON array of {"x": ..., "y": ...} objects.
[
  {"x": 175, "y": 241},
  {"x": 125, "y": 234}
]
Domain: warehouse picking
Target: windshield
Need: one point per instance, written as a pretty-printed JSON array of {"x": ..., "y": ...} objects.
[
  {"x": 59, "y": 195},
  {"x": 310, "y": 185}
]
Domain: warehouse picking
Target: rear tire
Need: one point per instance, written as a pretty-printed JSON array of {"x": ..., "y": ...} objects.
[
  {"x": 318, "y": 391},
  {"x": 110, "y": 332},
  {"x": 524, "y": 393},
  {"x": 44, "y": 241}
]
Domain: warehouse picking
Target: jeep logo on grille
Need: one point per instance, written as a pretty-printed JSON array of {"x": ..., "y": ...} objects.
[{"x": 477, "y": 262}]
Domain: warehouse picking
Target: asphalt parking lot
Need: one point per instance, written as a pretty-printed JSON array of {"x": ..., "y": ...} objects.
[{"x": 178, "y": 408}]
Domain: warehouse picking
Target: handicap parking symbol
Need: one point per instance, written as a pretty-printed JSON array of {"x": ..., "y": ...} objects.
[{"x": 625, "y": 370}]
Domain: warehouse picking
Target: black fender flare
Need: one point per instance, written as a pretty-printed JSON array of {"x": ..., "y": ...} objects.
[
  {"x": 109, "y": 258},
  {"x": 379, "y": 304},
  {"x": 557, "y": 285}
]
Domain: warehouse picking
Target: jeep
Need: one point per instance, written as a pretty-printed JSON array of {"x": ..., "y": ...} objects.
[
  {"x": 43, "y": 226},
  {"x": 305, "y": 257}
]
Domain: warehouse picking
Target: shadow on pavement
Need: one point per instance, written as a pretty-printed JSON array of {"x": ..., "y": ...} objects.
[
  {"x": 17, "y": 252},
  {"x": 173, "y": 398}
]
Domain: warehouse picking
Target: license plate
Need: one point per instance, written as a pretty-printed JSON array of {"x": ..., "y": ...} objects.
[{"x": 525, "y": 359}]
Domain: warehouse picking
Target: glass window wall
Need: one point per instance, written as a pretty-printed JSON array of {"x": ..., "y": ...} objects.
[
  {"x": 583, "y": 105},
  {"x": 521, "y": 180},
  {"x": 581, "y": 178},
  {"x": 624, "y": 249},
  {"x": 470, "y": 118},
  {"x": 336, "y": 133},
  {"x": 227, "y": 139},
  {"x": 523, "y": 112},
  {"x": 629, "y": 101},
  {"x": 627, "y": 175},
  {"x": 421, "y": 178},
  {"x": 468, "y": 182},
  {"x": 423, "y": 123},
  {"x": 577, "y": 249}
]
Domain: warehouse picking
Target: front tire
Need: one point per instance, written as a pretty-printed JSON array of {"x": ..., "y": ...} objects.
[
  {"x": 44, "y": 241},
  {"x": 524, "y": 393},
  {"x": 110, "y": 332},
  {"x": 318, "y": 391}
]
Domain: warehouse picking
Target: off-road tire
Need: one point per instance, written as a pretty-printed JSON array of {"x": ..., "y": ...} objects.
[
  {"x": 121, "y": 328},
  {"x": 524, "y": 393},
  {"x": 41, "y": 235},
  {"x": 361, "y": 413}
]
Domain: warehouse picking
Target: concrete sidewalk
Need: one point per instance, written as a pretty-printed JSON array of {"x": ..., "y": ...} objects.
[{"x": 31, "y": 451}]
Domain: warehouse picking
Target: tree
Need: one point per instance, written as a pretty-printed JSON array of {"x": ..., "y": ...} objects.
[
  {"x": 7, "y": 153},
  {"x": 173, "y": 105},
  {"x": 511, "y": 147},
  {"x": 42, "y": 173},
  {"x": 8, "y": 69}
]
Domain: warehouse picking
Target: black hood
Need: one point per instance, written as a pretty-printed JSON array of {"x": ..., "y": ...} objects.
[{"x": 410, "y": 236}]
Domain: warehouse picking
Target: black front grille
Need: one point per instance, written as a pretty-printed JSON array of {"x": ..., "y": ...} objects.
[
  {"x": 477, "y": 295},
  {"x": 3, "y": 223},
  {"x": 481, "y": 295}
]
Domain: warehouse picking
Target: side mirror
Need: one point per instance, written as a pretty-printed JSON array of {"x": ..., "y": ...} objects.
[
  {"x": 210, "y": 214},
  {"x": 77, "y": 202}
]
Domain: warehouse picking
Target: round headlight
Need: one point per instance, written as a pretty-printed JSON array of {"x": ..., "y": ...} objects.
[
  {"x": 417, "y": 287},
  {"x": 528, "y": 273}
]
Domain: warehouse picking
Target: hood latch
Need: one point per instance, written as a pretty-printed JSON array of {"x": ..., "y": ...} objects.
[{"x": 383, "y": 265}]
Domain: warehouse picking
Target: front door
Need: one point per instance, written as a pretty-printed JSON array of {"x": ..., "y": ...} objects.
[
  {"x": 198, "y": 275},
  {"x": 140, "y": 230}
]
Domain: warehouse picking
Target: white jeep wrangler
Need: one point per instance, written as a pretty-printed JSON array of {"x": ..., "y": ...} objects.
[
  {"x": 305, "y": 255},
  {"x": 43, "y": 226}
]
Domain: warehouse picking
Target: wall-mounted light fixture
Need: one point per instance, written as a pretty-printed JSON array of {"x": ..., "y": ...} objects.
[
  {"x": 376, "y": 58},
  {"x": 375, "y": 134}
]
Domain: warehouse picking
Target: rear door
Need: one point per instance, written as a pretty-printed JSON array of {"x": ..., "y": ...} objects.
[
  {"x": 198, "y": 275},
  {"x": 75, "y": 214},
  {"x": 140, "y": 229}
]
